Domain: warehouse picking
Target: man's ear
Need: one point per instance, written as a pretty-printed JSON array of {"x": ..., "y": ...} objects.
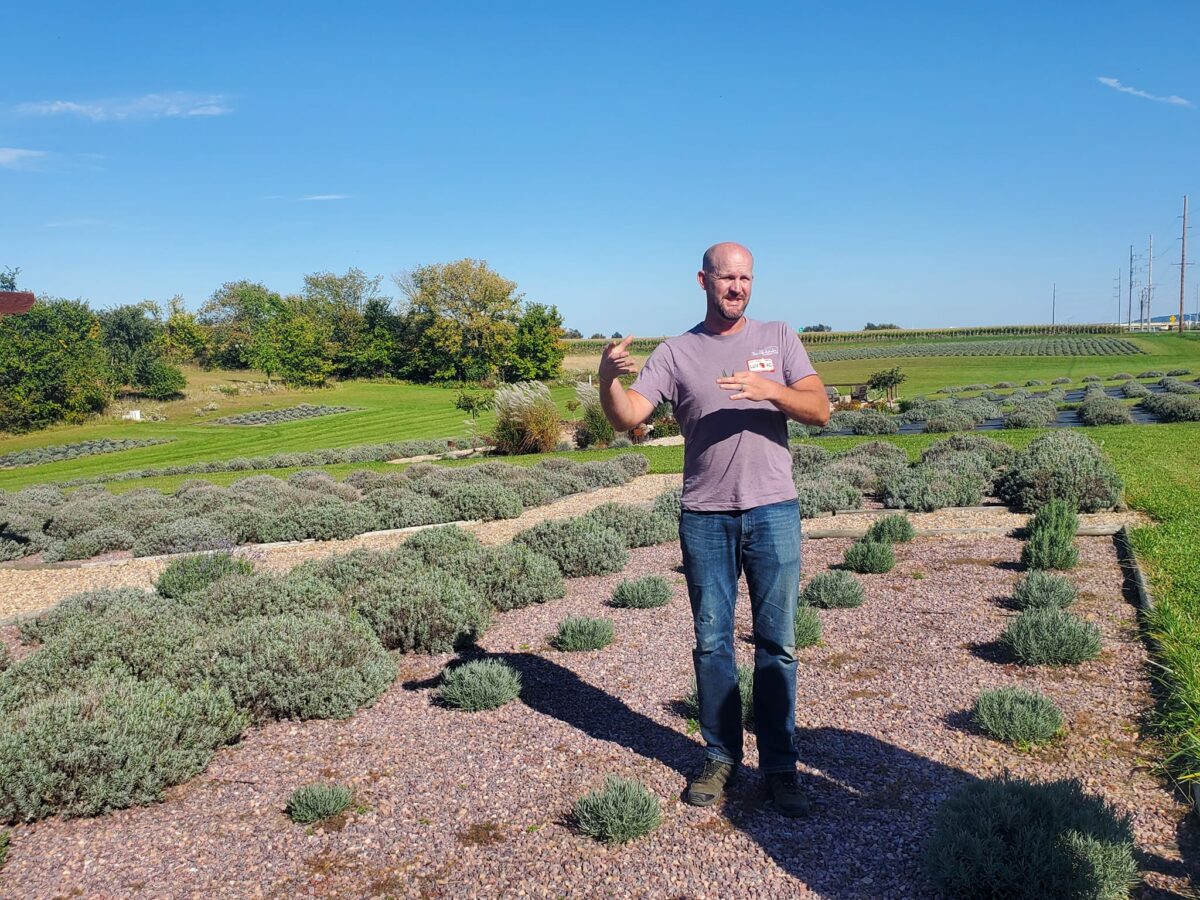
[{"x": 700, "y": 278}]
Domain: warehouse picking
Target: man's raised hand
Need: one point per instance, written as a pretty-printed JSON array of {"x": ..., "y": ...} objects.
[{"x": 615, "y": 360}]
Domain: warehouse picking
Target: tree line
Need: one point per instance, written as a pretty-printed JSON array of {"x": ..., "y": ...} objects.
[{"x": 456, "y": 322}]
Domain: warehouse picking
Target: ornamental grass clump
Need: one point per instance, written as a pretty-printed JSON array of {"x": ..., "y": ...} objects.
[
  {"x": 195, "y": 573},
  {"x": 620, "y": 812},
  {"x": 1019, "y": 717},
  {"x": 1050, "y": 544},
  {"x": 314, "y": 802},
  {"x": 835, "y": 589},
  {"x": 807, "y": 626},
  {"x": 642, "y": 593},
  {"x": 527, "y": 419},
  {"x": 576, "y": 633},
  {"x": 1051, "y": 637},
  {"x": 580, "y": 546},
  {"x": 479, "y": 685},
  {"x": 870, "y": 557},
  {"x": 891, "y": 529},
  {"x": 1021, "y": 840},
  {"x": 1041, "y": 590}
]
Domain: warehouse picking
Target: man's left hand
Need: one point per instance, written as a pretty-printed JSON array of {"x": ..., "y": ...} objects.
[{"x": 749, "y": 386}]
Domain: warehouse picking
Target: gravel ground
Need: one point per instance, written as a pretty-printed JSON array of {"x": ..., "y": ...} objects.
[{"x": 476, "y": 805}]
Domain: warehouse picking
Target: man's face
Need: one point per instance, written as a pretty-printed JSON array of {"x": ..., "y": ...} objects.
[{"x": 727, "y": 284}]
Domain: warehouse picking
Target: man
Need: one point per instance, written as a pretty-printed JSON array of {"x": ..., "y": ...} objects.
[{"x": 734, "y": 383}]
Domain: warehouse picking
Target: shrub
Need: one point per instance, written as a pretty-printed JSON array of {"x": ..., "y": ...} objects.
[
  {"x": 580, "y": 546},
  {"x": 818, "y": 493},
  {"x": 479, "y": 685},
  {"x": 1062, "y": 465},
  {"x": 632, "y": 464},
  {"x": 195, "y": 573},
  {"x": 1035, "y": 382},
  {"x": 891, "y": 529},
  {"x": 1031, "y": 414},
  {"x": 668, "y": 504},
  {"x": 583, "y": 633},
  {"x": 1176, "y": 373},
  {"x": 5, "y": 657},
  {"x": 1106, "y": 411},
  {"x": 622, "y": 811},
  {"x": 997, "y": 453},
  {"x": 185, "y": 536},
  {"x": 1120, "y": 376},
  {"x": 326, "y": 520},
  {"x": 425, "y": 610},
  {"x": 924, "y": 488},
  {"x": 867, "y": 556},
  {"x": 512, "y": 576},
  {"x": 943, "y": 423},
  {"x": 313, "y": 665},
  {"x": 835, "y": 589},
  {"x": 113, "y": 743},
  {"x": 1040, "y": 589},
  {"x": 1173, "y": 407},
  {"x": 601, "y": 474},
  {"x": 1020, "y": 840},
  {"x": 1091, "y": 379},
  {"x": 642, "y": 593},
  {"x": 433, "y": 545},
  {"x": 873, "y": 422},
  {"x": 855, "y": 474},
  {"x": 690, "y": 706},
  {"x": 1050, "y": 544},
  {"x": 314, "y": 802},
  {"x": 485, "y": 501},
  {"x": 808, "y": 458},
  {"x": 1051, "y": 637},
  {"x": 1003, "y": 385},
  {"x": 527, "y": 419},
  {"x": 1135, "y": 389},
  {"x": 3, "y": 848},
  {"x": 875, "y": 453},
  {"x": 807, "y": 627},
  {"x": 1062, "y": 379},
  {"x": 1152, "y": 373},
  {"x": 104, "y": 539},
  {"x": 1018, "y": 716},
  {"x": 239, "y": 596},
  {"x": 639, "y": 527}
]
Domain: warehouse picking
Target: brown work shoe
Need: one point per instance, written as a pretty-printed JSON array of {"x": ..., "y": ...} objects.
[
  {"x": 784, "y": 791},
  {"x": 706, "y": 788}
]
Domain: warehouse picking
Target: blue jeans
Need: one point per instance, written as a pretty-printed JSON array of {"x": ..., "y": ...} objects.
[{"x": 717, "y": 546}]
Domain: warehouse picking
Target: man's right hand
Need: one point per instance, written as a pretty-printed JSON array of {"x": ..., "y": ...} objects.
[{"x": 615, "y": 360}]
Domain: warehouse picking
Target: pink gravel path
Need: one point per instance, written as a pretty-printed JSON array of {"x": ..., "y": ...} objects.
[{"x": 475, "y": 805}]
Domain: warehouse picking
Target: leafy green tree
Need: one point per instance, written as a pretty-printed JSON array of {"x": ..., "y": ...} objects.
[
  {"x": 8, "y": 279},
  {"x": 130, "y": 333},
  {"x": 158, "y": 379},
  {"x": 572, "y": 334},
  {"x": 341, "y": 303},
  {"x": 462, "y": 320},
  {"x": 54, "y": 366},
  {"x": 233, "y": 315},
  {"x": 538, "y": 350},
  {"x": 301, "y": 348},
  {"x": 183, "y": 338},
  {"x": 473, "y": 403},
  {"x": 887, "y": 380}
]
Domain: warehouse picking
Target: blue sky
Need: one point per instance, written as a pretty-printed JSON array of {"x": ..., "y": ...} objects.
[{"x": 929, "y": 164}]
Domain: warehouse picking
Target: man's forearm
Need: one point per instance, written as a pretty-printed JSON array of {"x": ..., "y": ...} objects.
[
  {"x": 617, "y": 406},
  {"x": 810, "y": 407}
]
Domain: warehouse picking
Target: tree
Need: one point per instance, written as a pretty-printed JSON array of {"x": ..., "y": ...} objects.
[
  {"x": 473, "y": 403},
  {"x": 341, "y": 302},
  {"x": 882, "y": 326},
  {"x": 236, "y": 310},
  {"x": 8, "y": 279},
  {"x": 462, "y": 319},
  {"x": 616, "y": 335},
  {"x": 597, "y": 336},
  {"x": 886, "y": 380},
  {"x": 130, "y": 334},
  {"x": 298, "y": 344},
  {"x": 54, "y": 366},
  {"x": 808, "y": 328},
  {"x": 538, "y": 350},
  {"x": 183, "y": 338},
  {"x": 572, "y": 334}
]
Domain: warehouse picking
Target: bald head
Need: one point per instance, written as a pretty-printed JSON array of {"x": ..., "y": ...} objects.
[{"x": 719, "y": 255}]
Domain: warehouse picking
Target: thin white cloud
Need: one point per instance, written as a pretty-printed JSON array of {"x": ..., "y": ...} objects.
[
  {"x": 326, "y": 197},
  {"x": 17, "y": 158},
  {"x": 1126, "y": 89},
  {"x": 171, "y": 105},
  {"x": 75, "y": 223}
]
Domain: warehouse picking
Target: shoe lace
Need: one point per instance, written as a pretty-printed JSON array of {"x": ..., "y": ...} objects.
[{"x": 711, "y": 767}]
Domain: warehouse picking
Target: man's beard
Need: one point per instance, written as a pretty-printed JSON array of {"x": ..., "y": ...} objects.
[{"x": 732, "y": 318}]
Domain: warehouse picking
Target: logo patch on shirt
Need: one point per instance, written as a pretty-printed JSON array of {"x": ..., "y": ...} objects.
[{"x": 762, "y": 364}]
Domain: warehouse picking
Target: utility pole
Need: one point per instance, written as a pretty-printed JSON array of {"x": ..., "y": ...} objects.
[
  {"x": 1053, "y": 300},
  {"x": 1149, "y": 281},
  {"x": 1182, "y": 262},
  {"x": 1118, "y": 293},
  {"x": 1129, "y": 312}
]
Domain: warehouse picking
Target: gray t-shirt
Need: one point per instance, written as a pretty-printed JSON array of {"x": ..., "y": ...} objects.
[{"x": 735, "y": 451}]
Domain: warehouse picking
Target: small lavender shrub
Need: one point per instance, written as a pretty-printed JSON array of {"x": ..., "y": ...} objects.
[
  {"x": 1040, "y": 589},
  {"x": 642, "y": 593},
  {"x": 870, "y": 557},
  {"x": 1017, "y": 716},
  {"x": 1051, "y": 637},
  {"x": 807, "y": 626},
  {"x": 479, "y": 685},
  {"x": 620, "y": 812},
  {"x": 194, "y": 573},
  {"x": 315, "y": 802},
  {"x": 835, "y": 589},
  {"x": 577, "y": 633},
  {"x": 891, "y": 529}
]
